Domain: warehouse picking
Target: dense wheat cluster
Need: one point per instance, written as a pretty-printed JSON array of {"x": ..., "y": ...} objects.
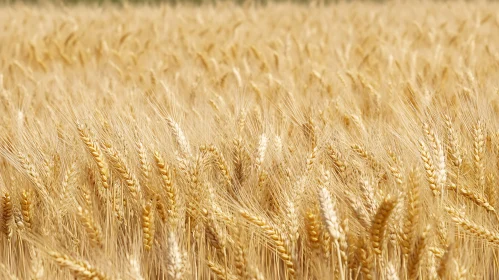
[{"x": 346, "y": 141}]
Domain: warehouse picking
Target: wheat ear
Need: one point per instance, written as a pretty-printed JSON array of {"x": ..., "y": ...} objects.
[
  {"x": 26, "y": 209},
  {"x": 239, "y": 160},
  {"x": 453, "y": 150},
  {"x": 180, "y": 139},
  {"x": 80, "y": 269},
  {"x": 329, "y": 214},
  {"x": 391, "y": 272},
  {"x": 474, "y": 197},
  {"x": 339, "y": 162},
  {"x": 429, "y": 167},
  {"x": 364, "y": 254},
  {"x": 380, "y": 222},
  {"x": 91, "y": 227},
  {"x": 30, "y": 169},
  {"x": 367, "y": 156},
  {"x": 330, "y": 218},
  {"x": 148, "y": 225},
  {"x": 443, "y": 268},
  {"x": 412, "y": 213},
  {"x": 260, "y": 153},
  {"x": 471, "y": 227},
  {"x": 491, "y": 190},
  {"x": 220, "y": 271},
  {"x": 478, "y": 154},
  {"x": 174, "y": 258},
  {"x": 214, "y": 233},
  {"x": 7, "y": 214},
  {"x": 277, "y": 238},
  {"x": 118, "y": 163},
  {"x": 313, "y": 229},
  {"x": 171, "y": 193},
  {"x": 241, "y": 262},
  {"x": 395, "y": 168},
  {"x": 221, "y": 164},
  {"x": 145, "y": 166},
  {"x": 417, "y": 255},
  {"x": 96, "y": 153},
  {"x": 160, "y": 208}
]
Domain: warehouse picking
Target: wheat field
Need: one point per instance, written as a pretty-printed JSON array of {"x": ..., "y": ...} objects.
[{"x": 279, "y": 141}]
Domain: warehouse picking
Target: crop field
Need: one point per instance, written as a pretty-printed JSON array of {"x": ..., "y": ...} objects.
[{"x": 224, "y": 141}]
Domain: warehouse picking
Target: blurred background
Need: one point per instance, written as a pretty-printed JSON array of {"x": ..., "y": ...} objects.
[{"x": 120, "y": 2}]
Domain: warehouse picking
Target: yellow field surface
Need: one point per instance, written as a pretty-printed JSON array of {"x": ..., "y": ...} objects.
[{"x": 345, "y": 141}]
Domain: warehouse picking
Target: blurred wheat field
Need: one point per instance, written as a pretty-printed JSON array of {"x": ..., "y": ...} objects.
[{"x": 346, "y": 141}]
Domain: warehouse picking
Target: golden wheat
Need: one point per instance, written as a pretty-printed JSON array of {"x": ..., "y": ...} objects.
[{"x": 249, "y": 141}]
